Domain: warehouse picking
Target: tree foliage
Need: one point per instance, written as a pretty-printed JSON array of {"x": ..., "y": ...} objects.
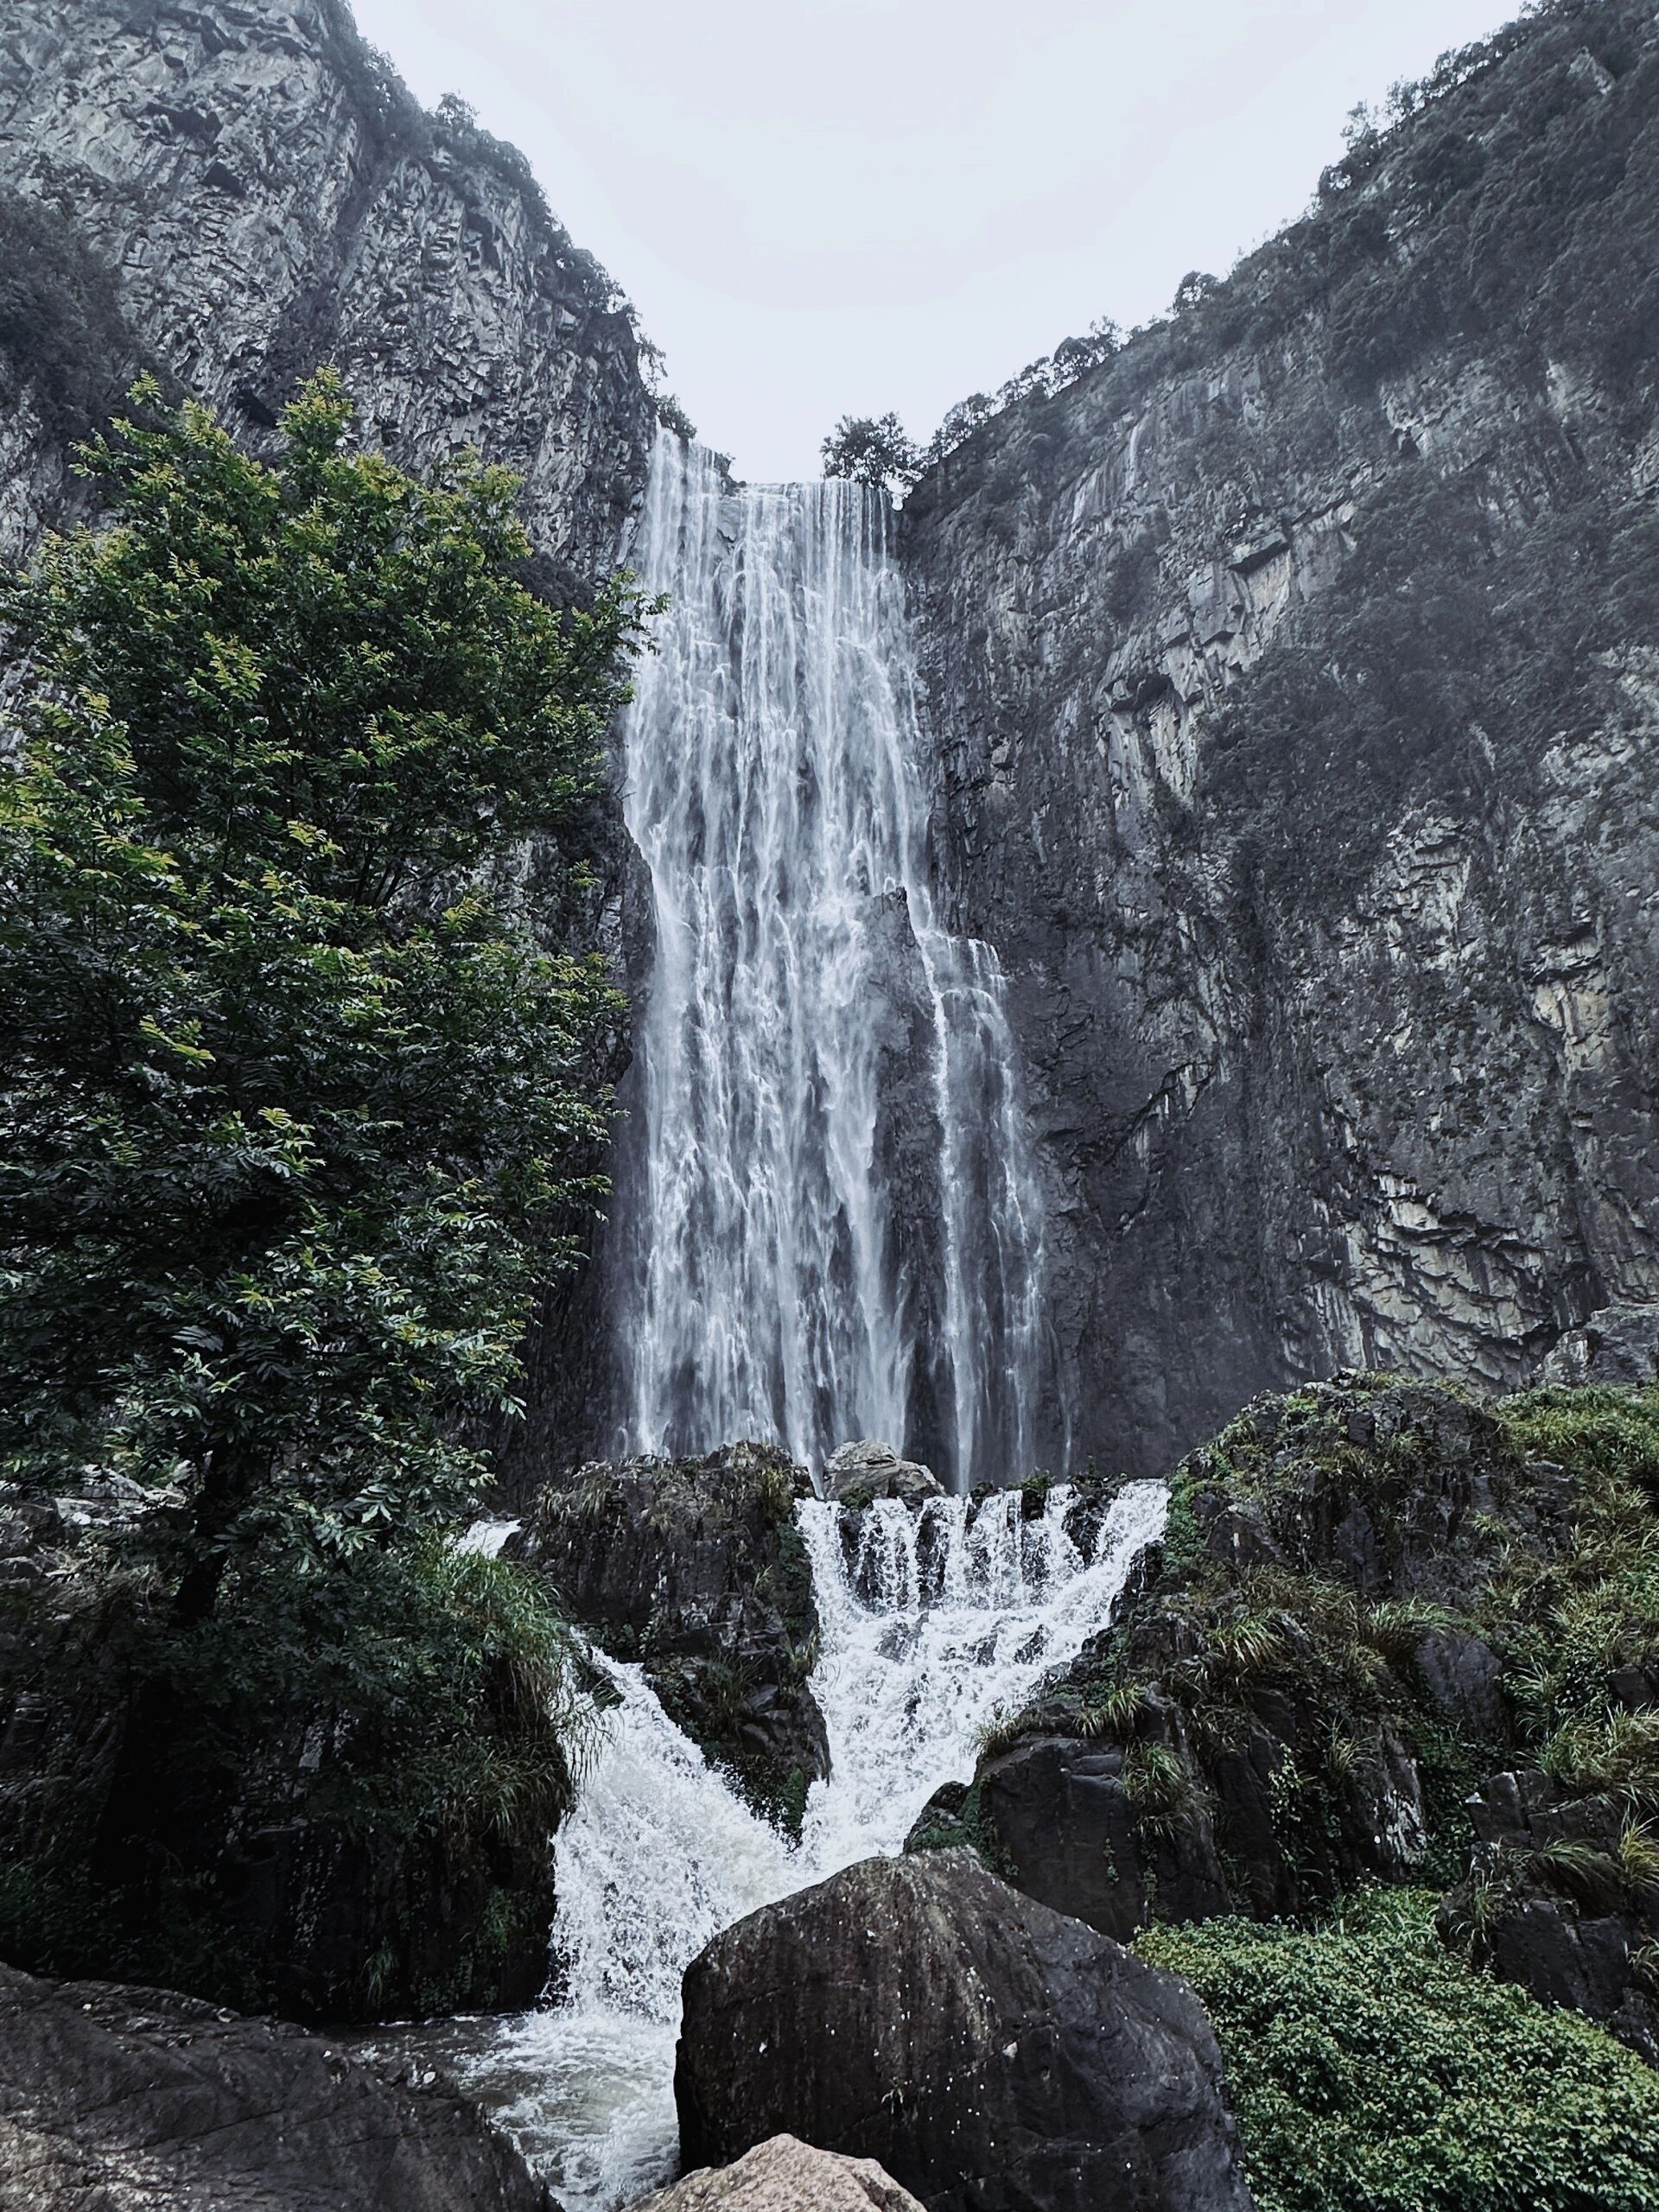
[
  {"x": 291, "y": 1096},
  {"x": 874, "y": 450}
]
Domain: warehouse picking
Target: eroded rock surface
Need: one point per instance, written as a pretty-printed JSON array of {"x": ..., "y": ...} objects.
[
  {"x": 857, "y": 1473},
  {"x": 785, "y": 2175},
  {"x": 1620, "y": 1345},
  {"x": 991, "y": 2055},
  {"x": 269, "y": 197},
  {"x": 129, "y": 2100}
]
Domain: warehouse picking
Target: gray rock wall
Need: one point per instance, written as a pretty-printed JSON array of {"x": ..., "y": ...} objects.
[
  {"x": 270, "y": 198},
  {"x": 1380, "y": 1095}
]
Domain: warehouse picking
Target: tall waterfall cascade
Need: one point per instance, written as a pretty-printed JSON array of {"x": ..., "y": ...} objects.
[
  {"x": 830, "y": 1221},
  {"x": 934, "y": 1622}
]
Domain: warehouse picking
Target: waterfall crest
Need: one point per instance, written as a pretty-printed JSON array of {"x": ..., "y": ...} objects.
[{"x": 832, "y": 1227}]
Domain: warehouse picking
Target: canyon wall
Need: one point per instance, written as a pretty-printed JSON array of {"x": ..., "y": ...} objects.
[
  {"x": 1293, "y": 680},
  {"x": 245, "y": 190}
]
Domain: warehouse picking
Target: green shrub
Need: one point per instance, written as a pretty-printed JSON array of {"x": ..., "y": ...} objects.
[
  {"x": 413, "y": 1719},
  {"x": 1590, "y": 1614},
  {"x": 1371, "y": 2072}
]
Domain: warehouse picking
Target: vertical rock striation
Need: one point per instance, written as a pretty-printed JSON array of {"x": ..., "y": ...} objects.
[
  {"x": 1294, "y": 689},
  {"x": 264, "y": 196}
]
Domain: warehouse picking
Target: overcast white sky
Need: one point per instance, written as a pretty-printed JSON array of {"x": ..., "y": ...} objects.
[{"x": 831, "y": 207}]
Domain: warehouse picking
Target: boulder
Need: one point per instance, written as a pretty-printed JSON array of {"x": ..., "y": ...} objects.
[
  {"x": 1549, "y": 1904},
  {"x": 1619, "y": 1345},
  {"x": 127, "y": 2100},
  {"x": 695, "y": 1568},
  {"x": 1057, "y": 1813},
  {"x": 993, "y": 2056},
  {"x": 785, "y": 2175},
  {"x": 859, "y": 1472}
]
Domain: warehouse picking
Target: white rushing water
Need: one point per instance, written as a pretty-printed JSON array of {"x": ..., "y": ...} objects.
[
  {"x": 832, "y": 1223},
  {"x": 938, "y": 1620}
]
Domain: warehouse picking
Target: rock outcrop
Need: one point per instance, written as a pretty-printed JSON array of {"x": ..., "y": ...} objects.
[
  {"x": 1391, "y": 1636},
  {"x": 264, "y": 196},
  {"x": 222, "y": 1849},
  {"x": 1254, "y": 1734},
  {"x": 1620, "y": 1345},
  {"x": 696, "y": 1568},
  {"x": 784, "y": 2175},
  {"x": 857, "y": 1474},
  {"x": 988, "y": 2053},
  {"x": 133, "y": 2099},
  {"x": 1550, "y": 1902},
  {"x": 1292, "y": 679}
]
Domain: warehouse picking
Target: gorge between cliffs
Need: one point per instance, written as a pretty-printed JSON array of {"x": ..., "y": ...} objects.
[{"x": 828, "y": 1312}]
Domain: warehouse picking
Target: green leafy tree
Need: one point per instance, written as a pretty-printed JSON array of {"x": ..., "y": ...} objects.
[
  {"x": 874, "y": 450},
  {"x": 292, "y": 1097}
]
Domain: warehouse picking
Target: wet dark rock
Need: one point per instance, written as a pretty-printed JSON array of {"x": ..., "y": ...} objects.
[
  {"x": 1550, "y": 1903},
  {"x": 1464, "y": 1676},
  {"x": 991, "y": 2055},
  {"x": 695, "y": 1569},
  {"x": 1056, "y": 1812},
  {"x": 945, "y": 1822},
  {"x": 858, "y": 1474},
  {"x": 128, "y": 2098}
]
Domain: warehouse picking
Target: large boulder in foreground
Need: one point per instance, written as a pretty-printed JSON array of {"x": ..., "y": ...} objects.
[
  {"x": 785, "y": 2175},
  {"x": 127, "y": 2099},
  {"x": 992, "y": 2055}
]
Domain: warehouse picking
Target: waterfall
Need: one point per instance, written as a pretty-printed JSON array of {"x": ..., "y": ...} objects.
[
  {"x": 830, "y": 1221},
  {"x": 933, "y": 1622}
]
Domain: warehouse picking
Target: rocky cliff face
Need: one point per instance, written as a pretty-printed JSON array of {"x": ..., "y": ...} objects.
[
  {"x": 1294, "y": 683},
  {"x": 260, "y": 194}
]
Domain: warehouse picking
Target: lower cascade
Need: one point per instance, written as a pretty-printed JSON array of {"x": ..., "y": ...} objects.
[{"x": 935, "y": 1622}]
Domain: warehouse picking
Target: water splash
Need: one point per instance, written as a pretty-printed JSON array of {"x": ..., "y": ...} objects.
[
  {"x": 831, "y": 1220},
  {"x": 932, "y": 1622}
]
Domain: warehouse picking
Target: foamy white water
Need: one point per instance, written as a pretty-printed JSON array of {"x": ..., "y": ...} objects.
[
  {"x": 832, "y": 1226},
  {"x": 933, "y": 1622}
]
